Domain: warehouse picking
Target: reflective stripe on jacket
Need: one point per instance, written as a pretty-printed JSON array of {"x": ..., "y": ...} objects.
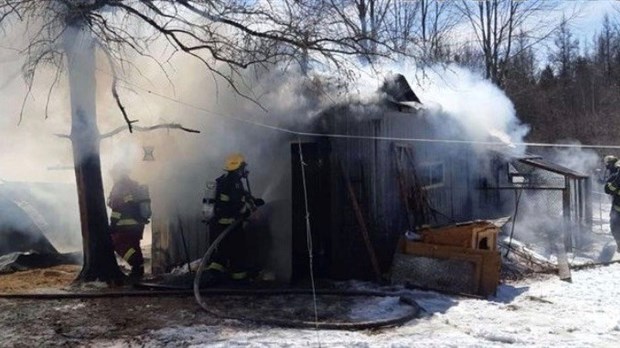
[
  {"x": 127, "y": 222},
  {"x": 612, "y": 188},
  {"x": 230, "y": 203},
  {"x": 125, "y": 209}
]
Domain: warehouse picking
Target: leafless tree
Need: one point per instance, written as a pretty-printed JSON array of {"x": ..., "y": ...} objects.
[
  {"x": 496, "y": 23},
  {"x": 606, "y": 44},
  {"x": 401, "y": 21},
  {"x": 565, "y": 51},
  {"x": 437, "y": 21},
  {"x": 412, "y": 28},
  {"x": 365, "y": 19},
  {"x": 230, "y": 34}
]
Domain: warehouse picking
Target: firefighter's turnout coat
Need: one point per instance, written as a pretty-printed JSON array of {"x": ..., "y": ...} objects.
[
  {"x": 612, "y": 188},
  {"x": 231, "y": 202},
  {"x": 126, "y": 221}
]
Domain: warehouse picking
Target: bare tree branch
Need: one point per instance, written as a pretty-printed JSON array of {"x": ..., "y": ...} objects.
[
  {"x": 139, "y": 129},
  {"x": 51, "y": 89},
  {"x": 148, "y": 129},
  {"x": 28, "y": 93},
  {"x": 115, "y": 89}
]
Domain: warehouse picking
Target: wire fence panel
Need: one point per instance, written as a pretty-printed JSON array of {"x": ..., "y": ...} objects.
[{"x": 558, "y": 213}]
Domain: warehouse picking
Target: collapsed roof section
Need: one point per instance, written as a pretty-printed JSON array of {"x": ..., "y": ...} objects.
[
  {"x": 398, "y": 89},
  {"x": 22, "y": 228}
]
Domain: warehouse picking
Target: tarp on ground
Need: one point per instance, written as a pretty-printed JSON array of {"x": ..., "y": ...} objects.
[
  {"x": 20, "y": 261},
  {"x": 35, "y": 209},
  {"x": 21, "y": 229}
]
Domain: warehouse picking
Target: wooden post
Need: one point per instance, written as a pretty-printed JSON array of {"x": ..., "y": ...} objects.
[
  {"x": 588, "y": 204},
  {"x": 563, "y": 265},
  {"x": 566, "y": 198},
  {"x": 403, "y": 189},
  {"x": 362, "y": 225}
]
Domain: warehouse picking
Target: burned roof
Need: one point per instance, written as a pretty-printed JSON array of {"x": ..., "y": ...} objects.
[{"x": 398, "y": 89}]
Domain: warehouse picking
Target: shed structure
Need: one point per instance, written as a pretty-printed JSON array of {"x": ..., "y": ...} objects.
[{"x": 374, "y": 171}]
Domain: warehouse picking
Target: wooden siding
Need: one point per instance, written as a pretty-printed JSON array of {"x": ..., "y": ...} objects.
[{"x": 370, "y": 164}]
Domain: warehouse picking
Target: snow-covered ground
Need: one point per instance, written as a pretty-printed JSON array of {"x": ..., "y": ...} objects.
[
  {"x": 540, "y": 312},
  {"x": 535, "y": 313}
]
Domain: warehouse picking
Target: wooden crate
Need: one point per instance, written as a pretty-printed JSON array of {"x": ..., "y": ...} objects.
[
  {"x": 485, "y": 270},
  {"x": 472, "y": 235}
]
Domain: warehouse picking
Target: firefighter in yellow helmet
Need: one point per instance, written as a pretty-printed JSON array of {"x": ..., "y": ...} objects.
[{"x": 232, "y": 201}]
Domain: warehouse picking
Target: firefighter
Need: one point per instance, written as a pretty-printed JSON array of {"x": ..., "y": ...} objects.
[
  {"x": 612, "y": 188},
  {"x": 602, "y": 175},
  {"x": 232, "y": 201},
  {"x": 610, "y": 164},
  {"x": 128, "y": 218}
]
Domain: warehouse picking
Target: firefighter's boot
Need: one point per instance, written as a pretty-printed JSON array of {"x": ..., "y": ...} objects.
[
  {"x": 239, "y": 279},
  {"x": 137, "y": 272},
  {"x": 213, "y": 278},
  {"x": 214, "y": 275}
]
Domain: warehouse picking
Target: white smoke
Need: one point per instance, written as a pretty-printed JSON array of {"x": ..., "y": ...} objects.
[
  {"x": 475, "y": 104},
  {"x": 281, "y": 96},
  {"x": 479, "y": 107},
  {"x": 576, "y": 158}
]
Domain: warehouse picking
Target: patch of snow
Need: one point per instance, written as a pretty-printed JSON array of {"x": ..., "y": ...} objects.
[
  {"x": 182, "y": 269},
  {"x": 96, "y": 285},
  {"x": 369, "y": 308},
  {"x": 69, "y": 307},
  {"x": 539, "y": 312}
]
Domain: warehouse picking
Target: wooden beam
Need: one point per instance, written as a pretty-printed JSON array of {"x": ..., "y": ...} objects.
[{"x": 362, "y": 224}]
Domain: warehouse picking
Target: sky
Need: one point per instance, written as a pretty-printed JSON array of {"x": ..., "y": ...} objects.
[{"x": 590, "y": 17}]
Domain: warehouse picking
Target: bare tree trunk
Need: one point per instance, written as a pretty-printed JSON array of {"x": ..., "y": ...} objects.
[
  {"x": 362, "y": 12},
  {"x": 99, "y": 261}
]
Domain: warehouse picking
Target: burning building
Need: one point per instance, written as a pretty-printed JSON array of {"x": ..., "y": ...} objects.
[{"x": 372, "y": 172}]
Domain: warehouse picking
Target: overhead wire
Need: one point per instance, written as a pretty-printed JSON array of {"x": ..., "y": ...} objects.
[
  {"x": 350, "y": 136},
  {"x": 299, "y": 133}
]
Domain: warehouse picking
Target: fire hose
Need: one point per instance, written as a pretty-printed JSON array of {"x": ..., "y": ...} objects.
[{"x": 411, "y": 314}]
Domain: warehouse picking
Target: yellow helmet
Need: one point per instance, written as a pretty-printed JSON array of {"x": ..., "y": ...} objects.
[{"x": 233, "y": 162}]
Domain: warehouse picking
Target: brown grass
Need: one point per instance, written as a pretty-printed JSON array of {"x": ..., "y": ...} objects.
[{"x": 57, "y": 277}]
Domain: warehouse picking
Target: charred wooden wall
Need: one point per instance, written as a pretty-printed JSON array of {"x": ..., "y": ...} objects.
[{"x": 371, "y": 167}]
